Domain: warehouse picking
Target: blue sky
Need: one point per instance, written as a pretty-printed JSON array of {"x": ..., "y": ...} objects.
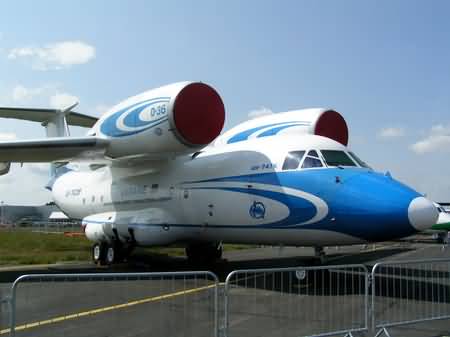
[{"x": 385, "y": 65}]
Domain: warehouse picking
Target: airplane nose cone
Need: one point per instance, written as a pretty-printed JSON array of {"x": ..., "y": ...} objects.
[{"x": 422, "y": 214}]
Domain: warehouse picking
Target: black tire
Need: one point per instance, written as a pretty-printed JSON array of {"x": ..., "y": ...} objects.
[
  {"x": 98, "y": 253},
  {"x": 111, "y": 254}
]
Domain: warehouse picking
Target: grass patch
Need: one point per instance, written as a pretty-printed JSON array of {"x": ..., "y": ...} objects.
[
  {"x": 24, "y": 247},
  {"x": 21, "y": 247}
]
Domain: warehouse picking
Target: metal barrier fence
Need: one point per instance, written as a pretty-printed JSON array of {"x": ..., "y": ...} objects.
[
  {"x": 302, "y": 301},
  {"x": 157, "y": 304},
  {"x": 408, "y": 292}
]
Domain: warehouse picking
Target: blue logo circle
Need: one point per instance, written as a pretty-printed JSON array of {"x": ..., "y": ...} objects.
[{"x": 257, "y": 210}]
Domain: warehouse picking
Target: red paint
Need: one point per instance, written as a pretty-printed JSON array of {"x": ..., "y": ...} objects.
[
  {"x": 199, "y": 114},
  {"x": 332, "y": 125}
]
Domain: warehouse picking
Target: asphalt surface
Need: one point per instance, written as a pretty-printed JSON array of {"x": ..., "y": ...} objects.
[{"x": 283, "y": 304}]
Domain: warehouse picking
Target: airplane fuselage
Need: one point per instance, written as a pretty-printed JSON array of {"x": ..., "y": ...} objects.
[{"x": 240, "y": 193}]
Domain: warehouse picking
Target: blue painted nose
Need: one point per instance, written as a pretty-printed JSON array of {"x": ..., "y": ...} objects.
[{"x": 378, "y": 208}]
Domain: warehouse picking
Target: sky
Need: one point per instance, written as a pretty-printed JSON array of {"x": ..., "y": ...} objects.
[{"x": 384, "y": 65}]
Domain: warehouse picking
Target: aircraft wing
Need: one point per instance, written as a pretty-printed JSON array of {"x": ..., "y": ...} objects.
[
  {"x": 52, "y": 149},
  {"x": 44, "y": 115}
]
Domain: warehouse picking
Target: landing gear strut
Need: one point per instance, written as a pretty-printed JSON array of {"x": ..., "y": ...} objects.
[{"x": 201, "y": 253}]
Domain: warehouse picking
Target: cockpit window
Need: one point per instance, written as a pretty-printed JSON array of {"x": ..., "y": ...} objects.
[
  {"x": 313, "y": 153},
  {"x": 358, "y": 160},
  {"x": 293, "y": 160},
  {"x": 337, "y": 158},
  {"x": 311, "y": 162}
]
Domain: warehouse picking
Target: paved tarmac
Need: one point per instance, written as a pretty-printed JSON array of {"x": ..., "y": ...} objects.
[{"x": 185, "y": 307}]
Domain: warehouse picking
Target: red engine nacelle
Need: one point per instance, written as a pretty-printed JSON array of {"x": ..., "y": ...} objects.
[{"x": 171, "y": 119}]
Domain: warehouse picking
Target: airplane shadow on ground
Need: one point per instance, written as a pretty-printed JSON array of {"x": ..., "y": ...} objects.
[
  {"x": 406, "y": 283},
  {"x": 164, "y": 263}
]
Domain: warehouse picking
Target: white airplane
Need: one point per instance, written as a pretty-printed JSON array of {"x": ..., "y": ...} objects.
[
  {"x": 158, "y": 172},
  {"x": 441, "y": 230}
]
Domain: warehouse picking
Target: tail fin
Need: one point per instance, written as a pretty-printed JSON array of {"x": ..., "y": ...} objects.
[
  {"x": 55, "y": 122},
  {"x": 57, "y": 126}
]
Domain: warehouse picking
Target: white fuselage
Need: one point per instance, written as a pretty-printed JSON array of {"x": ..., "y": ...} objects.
[{"x": 185, "y": 199}]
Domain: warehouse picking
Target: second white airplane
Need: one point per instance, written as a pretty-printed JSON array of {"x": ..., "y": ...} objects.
[{"x": 158, "y": 172}]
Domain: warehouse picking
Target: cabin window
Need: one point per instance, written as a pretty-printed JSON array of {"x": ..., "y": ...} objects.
[
  {"x": 337, "y": 158},
  {"x": 93, "y": 199},
  {"x": 293, "y": 160}
]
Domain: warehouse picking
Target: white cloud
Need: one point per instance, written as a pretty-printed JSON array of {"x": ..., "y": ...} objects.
[
  {"x": 100, "y": 109},
  {"x": 263, "y": 111},
  {"x": 437, "y": 141},
  {"x": 5, "y": 136},
  {"x": 62, "y": 100},
  {"x": 55, "y": 56},
  {"x": 40, "y": 168},
  {"x": 23, "y": 94},
  {"x": 28, "y": 182},
  {"x": 47, "y": 95},
  {"x": 391, "y": 132}
]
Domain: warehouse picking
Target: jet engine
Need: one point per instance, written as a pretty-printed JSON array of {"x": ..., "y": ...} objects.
[
  {"x": 322, "y": 122},
  {"x": 176, "y": 118}
]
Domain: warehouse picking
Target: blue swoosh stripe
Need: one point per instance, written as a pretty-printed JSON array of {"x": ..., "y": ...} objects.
[
  {"x": 274, "y": 131},
  {"x": 241, "y": 136},
  {"x": 109, "y": 127}
]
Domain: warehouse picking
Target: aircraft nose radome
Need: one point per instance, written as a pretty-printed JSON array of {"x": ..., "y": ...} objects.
[{"x": 422, "y": 214}]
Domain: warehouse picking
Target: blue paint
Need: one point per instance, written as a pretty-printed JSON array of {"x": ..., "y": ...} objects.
[
  {"x": 257, "y": 210},
  {"x": 109, "y": 125},
  {"x": 364, "y": 204},
  {"x": 241, "y": 136},
  {"x": 274, "y": 131}
]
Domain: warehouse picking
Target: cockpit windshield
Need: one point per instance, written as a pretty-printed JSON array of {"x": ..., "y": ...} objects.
[
  {"x": 314, "y": 158},
  {"x": 293, "y": 160},
  {"x": 359, "y": 161},
  {"x": 337, "y": 158}
]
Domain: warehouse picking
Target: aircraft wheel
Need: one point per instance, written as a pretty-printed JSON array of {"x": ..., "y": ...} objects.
[
  {"x": 111, "y": 254},
  {"x": 98, "y": 253}
]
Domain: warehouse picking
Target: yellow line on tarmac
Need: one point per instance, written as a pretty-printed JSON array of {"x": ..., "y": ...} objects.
[{"x": 105, "y": 309}]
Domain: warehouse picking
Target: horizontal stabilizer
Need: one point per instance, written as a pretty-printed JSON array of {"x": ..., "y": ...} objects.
[
  {"x": 46, "y": 115},
  {"x": 52, "y": 149}
]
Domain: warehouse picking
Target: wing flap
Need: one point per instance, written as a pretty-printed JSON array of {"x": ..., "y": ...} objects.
[{"x": 52, "y": 149}]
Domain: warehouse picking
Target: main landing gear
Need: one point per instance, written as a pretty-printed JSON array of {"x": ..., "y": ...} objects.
[
  {"x": 109, "y": 253},
  {"x": 204, "y": 253}
]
